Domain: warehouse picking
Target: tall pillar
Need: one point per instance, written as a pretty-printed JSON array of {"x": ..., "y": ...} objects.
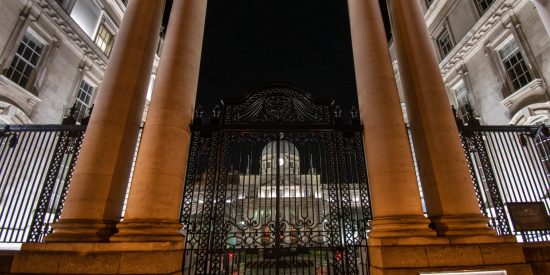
[
  {"x": 543, "y": 8},
  {"x": 153, "y": 209},
  {"x": 396, "y": 205},
  {"x": 447, "y": 185},
  {"x": 96, "y": 194}
]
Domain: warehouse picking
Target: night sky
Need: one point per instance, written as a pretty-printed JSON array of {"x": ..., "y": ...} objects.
[{"x": 248, "y": 43}]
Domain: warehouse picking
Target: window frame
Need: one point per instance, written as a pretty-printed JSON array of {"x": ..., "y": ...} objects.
[
  {"x": 103, "y": 28},
  {"x": 108, "y": 24},
  {"x": 19, "y": 58},
  {"x": 511, "y": 89},
  {"x": 92, "y": 92},
  {"x": 465, "y": 94},
  {"x": 444, "y": 29},
  {"x": 34, "y": 83}
]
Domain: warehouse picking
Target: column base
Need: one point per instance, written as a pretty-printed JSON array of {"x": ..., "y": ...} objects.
[
  {"x": 148, "y": 231},
  {"x": 99, "y": 258},
  {"x": 81, "y": 231},
  {"x": 401, "y": 226},
  {"x": 412, "y": 255},
  {"x": 462, "y": 225}
]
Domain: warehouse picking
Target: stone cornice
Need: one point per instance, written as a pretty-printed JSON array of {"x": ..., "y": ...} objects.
[
  {"x": 74, "y": 34},
  {"x": 474, "y": 38}
]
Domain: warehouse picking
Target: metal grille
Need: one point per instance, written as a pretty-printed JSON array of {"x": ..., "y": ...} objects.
[
  {"x": 283, "y": 193},
  {"x": 36, "y": 163},
  {"x": 509, "y": 166}
]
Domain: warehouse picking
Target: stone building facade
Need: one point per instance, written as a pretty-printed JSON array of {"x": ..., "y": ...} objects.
[
  {"x": 53, "y": 56},
  {"x": 494, "y": 57},
  {"x": 90, "y": 237}
]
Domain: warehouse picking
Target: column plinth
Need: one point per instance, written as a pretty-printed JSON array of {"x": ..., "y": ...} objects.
[
  {"x": 400, "y": 226},
  {"x": 153, "y": 209},
  {"x": 397, "y": 209},
  {"x": 461, "y": 225},
  {"x": 96, "y": 194},
  {"x": 82, "y": 231},
  {"x": 142, "y": 230},
  {"x": 447, "y": 184}
]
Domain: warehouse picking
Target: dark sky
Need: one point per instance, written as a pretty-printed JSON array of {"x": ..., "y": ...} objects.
[{"x": 248, "y": 43}]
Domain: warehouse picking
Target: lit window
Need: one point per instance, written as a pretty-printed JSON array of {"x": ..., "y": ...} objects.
[
  {"x": 444, "y": 42},
  {"x": 483, "y": 5},
  {"x": 462, "y": 103},
  {"x": 83, "y": 100},
  {"x": 104, "y": 39},
  {"x": 25, "y": 60},
  {"x": 515, "y": 65}
]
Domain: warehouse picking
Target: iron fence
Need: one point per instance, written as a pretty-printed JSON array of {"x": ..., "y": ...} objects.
[
  {"x": 510, "y": 169},
  {"x": 36, "y": 164},
  {"x": 510, "y": 166}
]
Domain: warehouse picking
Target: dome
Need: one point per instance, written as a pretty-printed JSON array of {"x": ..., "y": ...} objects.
[
  {"x": 288, "y": 158},
  {"x": 285, "y": 147}
]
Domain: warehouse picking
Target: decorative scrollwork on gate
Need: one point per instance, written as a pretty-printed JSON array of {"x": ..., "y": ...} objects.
[
  {"x": 277, "y": 104},
  {"x": 277, "y": 184}
]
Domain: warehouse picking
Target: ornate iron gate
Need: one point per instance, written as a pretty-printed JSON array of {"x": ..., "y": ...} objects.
[{"x": 276, "y": 184}]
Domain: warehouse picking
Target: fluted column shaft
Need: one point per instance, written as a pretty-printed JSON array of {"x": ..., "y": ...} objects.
[
  {"x": 96, "y": 194},
  {"x": 396, "y": 204},
  {"x": 543, "y": 8},
  {"x": 155, "y": 196},
  {"x": 447, "y": 185}
]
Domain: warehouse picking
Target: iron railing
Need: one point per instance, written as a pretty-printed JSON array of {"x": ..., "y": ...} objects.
[
  {"x": 36, "y": 164},
  {"x": 510, "y": 166},
  {"x": 510, "y": 169}
]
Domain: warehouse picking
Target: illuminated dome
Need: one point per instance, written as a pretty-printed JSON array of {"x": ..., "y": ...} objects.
[{"x": 288, "y": 158}]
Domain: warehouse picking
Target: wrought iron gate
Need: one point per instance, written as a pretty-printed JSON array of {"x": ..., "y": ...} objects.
[{"x": 276, "y": 184}]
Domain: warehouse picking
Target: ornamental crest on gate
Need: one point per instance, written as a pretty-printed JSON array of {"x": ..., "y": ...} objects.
[{"x": 277, "y": 104}]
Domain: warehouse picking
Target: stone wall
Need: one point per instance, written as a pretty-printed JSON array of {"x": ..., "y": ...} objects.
[{"x": 475, "y": 60}]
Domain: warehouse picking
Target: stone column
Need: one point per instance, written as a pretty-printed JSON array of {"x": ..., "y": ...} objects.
[
  {"x": 96, "y": 194},
  {"x": 543, "y": 7},
  {"x": 153, "y": 209},
  {"x": 447, "y": 185},
  {"x": 396, "y": 204}
]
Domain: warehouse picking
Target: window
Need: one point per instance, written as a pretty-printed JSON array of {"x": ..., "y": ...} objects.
[
  {"x": 462, "y": 102},
  {"x": 483, "y": 5},
  {"x": 444, "y": 42},
  {"x": 25, "y": 61},
  {"x": 515, "y": 65},
  {"x": 83, "y": 100},
  {"x": 104, "y": 39}
]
